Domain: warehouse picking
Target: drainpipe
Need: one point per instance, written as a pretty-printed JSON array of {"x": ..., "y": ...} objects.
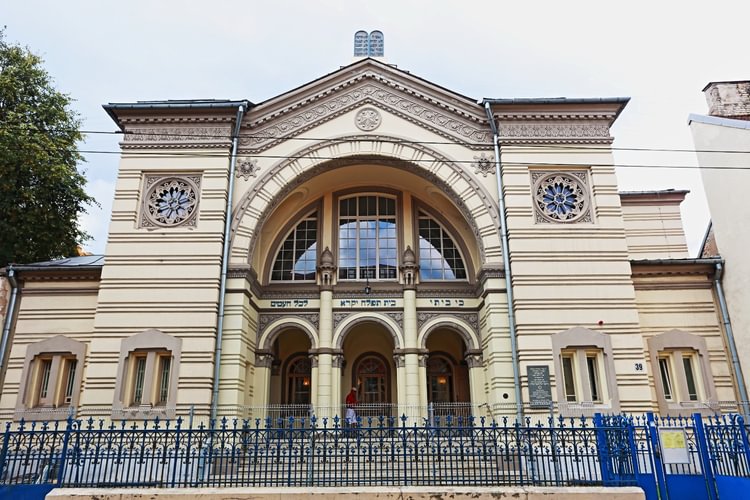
[
  {"x": 225, "y": 258},
  {"x": 744, "y": 404},
  {"x": 506, "y": 264},
  {"x": 10, "y": 315}
]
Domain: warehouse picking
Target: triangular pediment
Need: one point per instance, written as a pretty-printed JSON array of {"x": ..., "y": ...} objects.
[{"x": 373, "y": 83}]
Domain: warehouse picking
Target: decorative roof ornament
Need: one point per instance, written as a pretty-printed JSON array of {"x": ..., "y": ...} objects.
[
  {"x": 484, "y": 165},
  {"x": 248, "y": 168},
  {"x": 372, "y": 45},
  {"x": 367, "y": 119},
  {"x": 409, "y": 268}
]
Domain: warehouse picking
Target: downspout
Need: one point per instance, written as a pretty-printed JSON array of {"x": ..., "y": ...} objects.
[
  {"x": 744, "y": 404},
  {"x": 225, "y": 259},
  {"x": 10, "y": 315},
  {"x": 506, "y": 264}
]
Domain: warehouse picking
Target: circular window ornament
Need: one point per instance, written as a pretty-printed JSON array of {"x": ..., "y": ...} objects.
[
  {"x": 171, "y": 202},
  {"x": 561, "y": 198},
  {"x": 367, "y": 119}
]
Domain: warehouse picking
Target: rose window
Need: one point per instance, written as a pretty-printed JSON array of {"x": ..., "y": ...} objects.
[
  {"x": 171, "y": 202},
  {"x": 560, "y": 198}
]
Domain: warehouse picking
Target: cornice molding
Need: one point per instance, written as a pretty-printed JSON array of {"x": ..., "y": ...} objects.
[{"x": 368, "y": 88}]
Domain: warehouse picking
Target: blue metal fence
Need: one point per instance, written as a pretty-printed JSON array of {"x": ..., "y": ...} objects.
[
  {"x": 604, "y": 450},
  {"x": 312, "y": 452}
]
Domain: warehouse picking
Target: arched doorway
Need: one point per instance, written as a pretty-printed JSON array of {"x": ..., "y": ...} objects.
[
  {"x": 448, "y": 390},
  {"x": 368, "y": 366},
  {"x": 291, "y": 375},
  {"x": 371, "y": 377}
]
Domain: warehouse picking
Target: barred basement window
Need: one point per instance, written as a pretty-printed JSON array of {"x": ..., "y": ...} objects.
[
  {"x": 581, "y": 373},
  {"x": 684, "y": 383},
  {"x": 52, "y": 375},
  {"x": 297, "y": 257},
  {"x": 147, "y": 374},
  {"x": 150, "y": 378},
  {"x": 584, "y": 372},
  {"x": 439, "y": 257}
]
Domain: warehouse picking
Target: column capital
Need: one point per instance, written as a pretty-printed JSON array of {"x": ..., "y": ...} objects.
[
  {"x": 264, "y": 358},
  {"x": 474, "y": 358}
]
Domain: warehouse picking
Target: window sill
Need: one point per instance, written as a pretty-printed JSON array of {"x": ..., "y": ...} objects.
[
  {"x": 48, "y": 413},
  {"x": 143, "y": 412},
  {"x": 685, "y": 408},
  {"x": 585, "y": 408}
]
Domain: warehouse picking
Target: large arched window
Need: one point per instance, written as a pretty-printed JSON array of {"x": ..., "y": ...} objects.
[
  {"x": 296, "y": 259},
  {"x": 367, "y": 238},
  {"x": 439, "y": 258}
]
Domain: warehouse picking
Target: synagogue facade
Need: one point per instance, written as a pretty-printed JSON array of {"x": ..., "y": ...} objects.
[{"x": 355, "y": 232}]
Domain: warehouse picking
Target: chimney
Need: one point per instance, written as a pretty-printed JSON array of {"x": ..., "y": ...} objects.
[{"x": 729, "y": 99}]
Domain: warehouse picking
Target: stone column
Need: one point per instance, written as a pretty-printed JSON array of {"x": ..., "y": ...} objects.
[
  {"x": 261, "y": 383},
  {"x": 336, "y": 366},
  {"x": 412, "y": 398},
  {"x": 313, "y": 355},
  {"x": 326, "y": 272},
  {"x": 474, "y": 361}
]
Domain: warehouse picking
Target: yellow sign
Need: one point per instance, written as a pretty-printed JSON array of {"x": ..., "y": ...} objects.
[{"x": 673, "y": 439}]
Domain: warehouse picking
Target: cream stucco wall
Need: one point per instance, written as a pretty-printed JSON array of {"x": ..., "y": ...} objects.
[
  {"x": 432, "y": 151},
  {"x": 725, "y": 176}
]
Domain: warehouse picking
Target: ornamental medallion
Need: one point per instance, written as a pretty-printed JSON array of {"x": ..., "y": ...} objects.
[{"x": 367, "y": 119}]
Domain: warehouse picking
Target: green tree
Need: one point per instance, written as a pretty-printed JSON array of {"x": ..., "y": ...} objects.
[{"x": 41, "y": 190}]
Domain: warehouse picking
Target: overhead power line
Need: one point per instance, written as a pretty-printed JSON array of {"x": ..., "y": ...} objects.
[
  {"x": 178, "y": 155},
  {"x": 538, "y": 148}
]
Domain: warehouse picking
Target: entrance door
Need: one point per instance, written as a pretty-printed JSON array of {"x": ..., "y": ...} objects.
[{"x": 372, "y": 379}]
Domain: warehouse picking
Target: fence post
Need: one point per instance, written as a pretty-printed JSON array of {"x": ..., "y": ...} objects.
[
  {"x": 745, "y": 444},
  {"x": 175, "y": 457},
  {"x": 4, "y": 451},
  {"x": 603, "y": 447},
  {"x": 64, "y": 451},
  {"x": 702, "y": 443},
  {"x": 653, "y": 435}
]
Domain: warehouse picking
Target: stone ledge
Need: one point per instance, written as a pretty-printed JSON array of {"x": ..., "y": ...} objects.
[{"x": 385, "y": 492}]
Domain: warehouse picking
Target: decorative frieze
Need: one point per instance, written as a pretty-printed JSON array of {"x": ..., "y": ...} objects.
[
  {"x": 139, "y": 137},
  {"x": 554, "y": 130},
  {"x": 271, "y": 130},
  {"x": 472, "y": 319},
  {"x": 265, "y": 319}
]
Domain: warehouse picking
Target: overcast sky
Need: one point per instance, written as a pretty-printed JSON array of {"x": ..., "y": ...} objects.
[{"x": 660, "y": 53}]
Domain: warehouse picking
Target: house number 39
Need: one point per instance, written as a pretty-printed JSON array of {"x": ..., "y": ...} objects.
[{"x": 639, "y": 367}]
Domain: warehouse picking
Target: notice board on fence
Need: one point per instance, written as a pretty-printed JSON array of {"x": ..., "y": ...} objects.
[
  {"x": 674, "y": 445},
  {"x": 540, "y": 392}
]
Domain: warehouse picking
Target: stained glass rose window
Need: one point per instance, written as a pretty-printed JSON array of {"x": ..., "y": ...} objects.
[
  {"x": 171, "y": 202},
  {"x": 560, "y": 198}
]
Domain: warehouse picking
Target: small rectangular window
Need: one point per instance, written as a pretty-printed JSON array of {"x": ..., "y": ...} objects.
[
  {"x": 166, "y": 362},
  {"x": 568, "y": 378},
  {"x": 593, "y": 372},
  {"x": 140, "y": 374},
  {"x": 666, "y": 379},
  {"x": 70, "y": 375},
  {"x": 687, "y": 362},
  {"x": 44, "y": 372}
]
